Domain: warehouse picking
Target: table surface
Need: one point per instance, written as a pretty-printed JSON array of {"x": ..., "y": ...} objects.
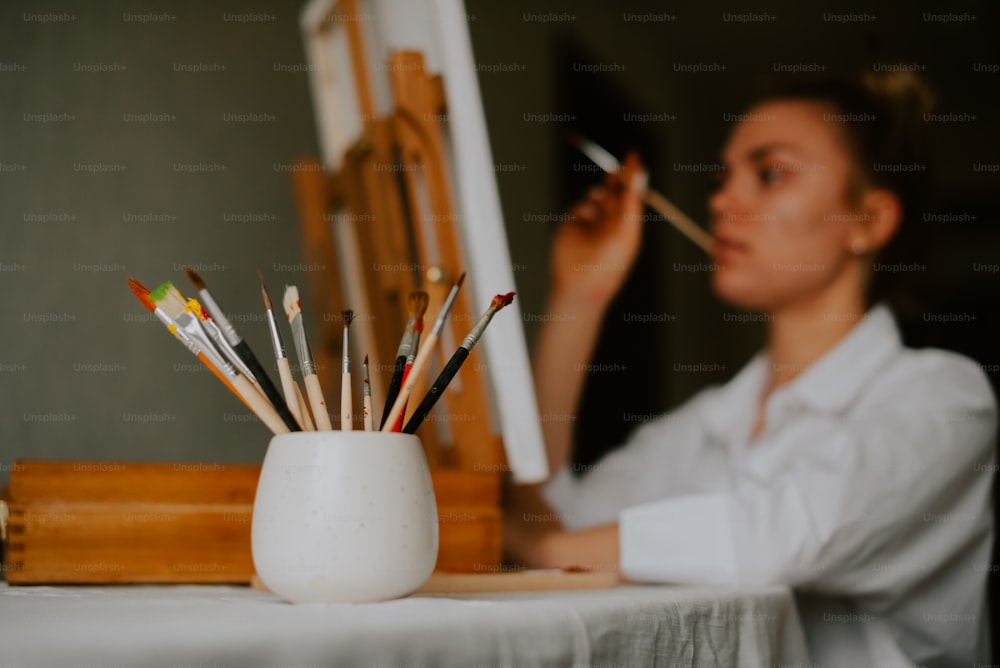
[{"x": 197, "y": 626}]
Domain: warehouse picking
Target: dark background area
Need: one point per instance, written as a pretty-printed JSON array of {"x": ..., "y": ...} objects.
[{"x": 606, "y": 64}]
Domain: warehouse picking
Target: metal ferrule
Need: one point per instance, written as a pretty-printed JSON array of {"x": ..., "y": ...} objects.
[
  {"x": 227, "y": 350},
  {"x": 188, "y": 324},
  {"x": 346, "y": 364},
  {"x": 272, "y": 326},
  {"x": 412, "y": 357},
  {"x": 472, "y": 338},
  {"x": 407, "y": 341},
  {"x": 220, "y": 317},
  {"x": 302, "y": 346}
]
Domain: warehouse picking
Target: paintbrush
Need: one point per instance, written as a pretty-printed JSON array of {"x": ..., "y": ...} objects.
[
  {"x": 218, "y": 339},
  {"x": 417, "y": 306},
  {"x": 288, "y": 385},
  {"x": 423, "y": 357},
  {"x": 142, "y": 292},
  {"x": 243, "y": 350},
  {"x": 418, "y": 329},
  {"x": 345, "y": 384},
  {"x": 655, "y": 200},
  {"x": 369, "y": 421},
  {"x": 167, "y": 298},
  {"x": 293, "y": 309},
  {"x": 456, "y": 361}
]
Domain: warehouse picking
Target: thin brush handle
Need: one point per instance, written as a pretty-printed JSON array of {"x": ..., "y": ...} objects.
[
  {"x": 225, "y": 381},
  {"x": 437, "y": 389},
  {"x": 394, "y": 384},
  {"x": 288, "y": 389},
  {"x": 259, "y": 405},
  {"x": 402, "y": 414},
  {"x": 243, "y": 350},
  {"x": 423, "y": 357},
  {"x": 315, "y": 394},
  {"x": 227, "y": 350},
  {"x": 369, "y": 423},
  {"x": 304, "y": 410},
  {"x": 676, "y": 217},
  {"x": 346, "y": 421}
]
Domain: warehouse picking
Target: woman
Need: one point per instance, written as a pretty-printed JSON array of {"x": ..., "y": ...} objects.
[{"x": 837, "y": 462}]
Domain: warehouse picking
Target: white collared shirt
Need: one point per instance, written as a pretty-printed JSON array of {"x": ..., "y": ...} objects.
[{"x": 868, "y": 491}]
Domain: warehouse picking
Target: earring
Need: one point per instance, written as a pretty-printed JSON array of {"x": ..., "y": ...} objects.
[{"x": 858, "y": 247}]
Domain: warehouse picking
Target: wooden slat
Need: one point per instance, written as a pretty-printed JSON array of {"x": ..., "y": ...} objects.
[
  {"x": 108, "y": 481},
  {"x": 419, "y": 99},
  {"x": 43, "y": 481}
]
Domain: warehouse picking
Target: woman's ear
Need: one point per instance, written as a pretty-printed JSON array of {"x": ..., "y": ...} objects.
[{"x": 883, "y": 213}]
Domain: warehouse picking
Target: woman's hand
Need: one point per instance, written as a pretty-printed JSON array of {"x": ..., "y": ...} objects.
[
  {"x": 534, "y": 536},
  {"x": 594, "y": 250}
]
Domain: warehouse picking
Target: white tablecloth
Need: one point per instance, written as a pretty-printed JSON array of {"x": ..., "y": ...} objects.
[{"x": 237, "y": 627}]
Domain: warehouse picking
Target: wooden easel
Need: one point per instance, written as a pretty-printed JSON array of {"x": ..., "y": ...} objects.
[{"x": 392, "y": 198}]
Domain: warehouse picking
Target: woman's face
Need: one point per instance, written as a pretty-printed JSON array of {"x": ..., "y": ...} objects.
[{"x": 781, "y": 214}]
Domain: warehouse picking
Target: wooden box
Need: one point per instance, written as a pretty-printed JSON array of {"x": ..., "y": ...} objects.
[{"x": 119, "y": 522}]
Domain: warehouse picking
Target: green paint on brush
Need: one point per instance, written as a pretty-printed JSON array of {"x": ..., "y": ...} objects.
[{"x": 160, "y": 293}]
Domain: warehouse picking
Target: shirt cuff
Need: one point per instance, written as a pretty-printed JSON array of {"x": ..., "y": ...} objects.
[{"x": 687, "y": 539}]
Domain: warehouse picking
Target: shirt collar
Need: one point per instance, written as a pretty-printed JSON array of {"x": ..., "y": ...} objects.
[
  {"x": 835, "y": 380},
  {"x": 827, "y": 386}
]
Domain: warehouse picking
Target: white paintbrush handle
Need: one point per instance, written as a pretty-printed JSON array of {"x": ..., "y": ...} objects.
[
  {"x": 260, "y": 405},
  {"x": 346, "y": 400},
  {"x": 318, "y": 404}
]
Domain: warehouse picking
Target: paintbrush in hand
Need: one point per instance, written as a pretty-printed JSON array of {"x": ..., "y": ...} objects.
[{"x": 609, "y": 163}]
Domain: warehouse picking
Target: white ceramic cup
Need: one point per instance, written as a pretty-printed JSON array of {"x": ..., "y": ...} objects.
[{"x": 344, "y": 516}]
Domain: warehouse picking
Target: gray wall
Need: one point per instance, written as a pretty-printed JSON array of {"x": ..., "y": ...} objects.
[{"x": 85, "y": 373}]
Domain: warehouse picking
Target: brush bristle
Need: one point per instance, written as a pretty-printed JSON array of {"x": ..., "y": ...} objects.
[
  {"x": 291, "y": 302},
  {"x": 366, "y": 360},
  {"x": 420, "y": 302},
  {"x": 195, "y": 278},
  {"x": 348, "y": 316},
  {"x": 263, "y": 291},
  {"x": 167, "y": 298},
  {"x": 158, "y": 294},
  {"x": 501, "y": 300},
  {"x": 142, "y": 293},
  {"x": 461, "y": 279}
]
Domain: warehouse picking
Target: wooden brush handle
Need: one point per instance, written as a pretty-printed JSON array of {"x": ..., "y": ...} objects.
[
  {"x": 260, "y": 405},
  {"x": 308, "y": 425},
  {"x": 423, "y": 357},
  {"x": 270, "y": 391},
  {"x": 288, "y": 389},
  {"x": 318, "y": 404}
]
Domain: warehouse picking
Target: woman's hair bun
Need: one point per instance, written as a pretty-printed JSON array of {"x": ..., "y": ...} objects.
[{"x": 902, "y": 92}]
